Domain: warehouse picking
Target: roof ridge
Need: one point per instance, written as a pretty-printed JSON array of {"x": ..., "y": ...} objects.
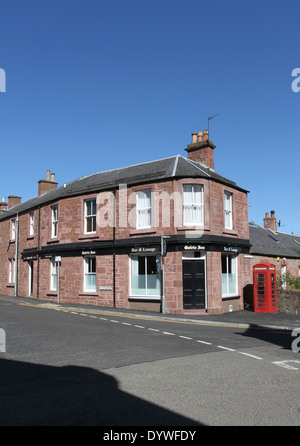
[
  {"x": 128, "y": 167},
  {"x": 175, "y": 165},
  {"x": 197, "y": 167}
]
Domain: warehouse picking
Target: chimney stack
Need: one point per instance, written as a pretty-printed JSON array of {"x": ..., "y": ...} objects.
[
  {"x": 47, "y": 184},
  {"x": 3, "y": 205},
  {"x": 201, "y": 149},
  {"x": 270, "y": 222},
  {"x": 13, "y": 201}
]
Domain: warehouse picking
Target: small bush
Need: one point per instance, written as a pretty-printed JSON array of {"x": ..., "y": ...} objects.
[{"x": 288, "y": 281}]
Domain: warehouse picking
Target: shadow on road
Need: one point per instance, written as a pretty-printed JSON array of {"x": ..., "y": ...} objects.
[
  {"x": 41, "y": 395},
  {"x": 275, "y": 336}
]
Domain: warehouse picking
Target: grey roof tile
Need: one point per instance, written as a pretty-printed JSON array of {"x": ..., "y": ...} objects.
[
  {"x": 159, "y": 170},
  {"x": 266, "y": 242}
]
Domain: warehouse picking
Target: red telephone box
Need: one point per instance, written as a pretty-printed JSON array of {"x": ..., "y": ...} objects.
[{"x": 264, "y": 288}]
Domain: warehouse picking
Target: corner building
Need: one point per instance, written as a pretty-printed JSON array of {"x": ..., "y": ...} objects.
[{"x": 169, "y": 235}]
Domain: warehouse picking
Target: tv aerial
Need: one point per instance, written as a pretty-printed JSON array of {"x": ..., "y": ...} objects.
[{"x": 209, "y": 118}]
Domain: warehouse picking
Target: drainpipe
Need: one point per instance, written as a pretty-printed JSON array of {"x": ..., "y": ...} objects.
[
  {"x": 16, "y": 255},
  {"x": 114, "y": 251},
  {"x": 38, "y": 257}
]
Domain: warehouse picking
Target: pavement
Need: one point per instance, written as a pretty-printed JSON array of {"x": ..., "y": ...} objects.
[{"x": 241, "y": 318}]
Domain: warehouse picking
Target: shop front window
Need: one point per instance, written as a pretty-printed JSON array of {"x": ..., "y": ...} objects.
[
  {"x": 229, "y": 276},
  {"x": 145, "y": 276}
]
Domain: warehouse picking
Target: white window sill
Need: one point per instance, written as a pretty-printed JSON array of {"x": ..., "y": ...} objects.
[{"x": 143, "y": 297}]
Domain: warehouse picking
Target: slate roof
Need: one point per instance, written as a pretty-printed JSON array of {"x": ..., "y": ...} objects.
[
  {"x": 269, "y": 243},
  {"x": 159, "y": 170}
]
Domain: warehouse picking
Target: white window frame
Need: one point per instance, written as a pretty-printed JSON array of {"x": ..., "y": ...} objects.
[
  {"x": 30, "y": 277},
  {"x": 193, "y": 209},
  {"x": 88, "y": 262},
  {"x": 228, "y": 201},
  {"x": 283, "y": 276},
  {"x": 143, "y": 209},
  {"x": 54, "y": 221},
  {"x": 11, "y": 270},
  {"x": 147, "y": 296},
  {"x": 234, "y": 265},
  {"x": 53, "y": 275},
  {"x": 91, "y": 216},
  {"x": 13, "y": 229},
  {"x": 31, "y": 223}
]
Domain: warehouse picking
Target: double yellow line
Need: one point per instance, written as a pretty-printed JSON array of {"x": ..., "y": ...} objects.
[{"x": 159, "y": 319}]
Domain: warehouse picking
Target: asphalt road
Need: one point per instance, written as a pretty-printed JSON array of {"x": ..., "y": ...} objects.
[{"x": 81, "y": 367}]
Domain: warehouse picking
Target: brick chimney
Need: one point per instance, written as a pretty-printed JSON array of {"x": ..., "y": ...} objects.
[
  {"x": 270, "y": 222},
  {"x": 3, "y": 205},
  {"x": 201, "y": 149},
  {"x": 13, "y": 201},
  {"x": 47, "y": 184}
]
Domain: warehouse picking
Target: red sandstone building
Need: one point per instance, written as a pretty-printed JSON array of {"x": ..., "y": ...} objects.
[{"x": 169, "y": 235}]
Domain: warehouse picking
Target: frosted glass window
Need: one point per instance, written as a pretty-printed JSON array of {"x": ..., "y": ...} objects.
[{"x": 90, "y": 274}]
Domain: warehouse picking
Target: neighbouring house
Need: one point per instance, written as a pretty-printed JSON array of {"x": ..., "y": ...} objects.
[
  {"x": 169, "y": 235},
  {"x": 271, "y": 246}
]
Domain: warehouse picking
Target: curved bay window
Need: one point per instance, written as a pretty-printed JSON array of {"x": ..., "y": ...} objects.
[{"x": 145, "y": 276}]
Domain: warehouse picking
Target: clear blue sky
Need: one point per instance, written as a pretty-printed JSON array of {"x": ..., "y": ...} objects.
[{"x": 93, "y": 85}]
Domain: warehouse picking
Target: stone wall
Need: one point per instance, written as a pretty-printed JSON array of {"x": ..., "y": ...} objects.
[{"x": 288, "y": 301}]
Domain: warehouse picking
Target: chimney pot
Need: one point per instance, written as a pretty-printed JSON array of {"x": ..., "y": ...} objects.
[
  {"x": 205, "y": 134},
  {"x": 194, "y": 137},
  {"x": 48, "y": 175},
  {"x": 52, "y": 176},
  {"x": 200, "y": 134}
]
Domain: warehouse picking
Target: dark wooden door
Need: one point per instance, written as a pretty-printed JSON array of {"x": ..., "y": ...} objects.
[{"x": 193, "y": 284}]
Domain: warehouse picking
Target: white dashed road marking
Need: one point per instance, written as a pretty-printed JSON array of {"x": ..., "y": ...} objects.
[
  {"x": 283, "y": 364},
  {"x": 226, "y": 348},
  {"x": 251, "y": 356}
]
